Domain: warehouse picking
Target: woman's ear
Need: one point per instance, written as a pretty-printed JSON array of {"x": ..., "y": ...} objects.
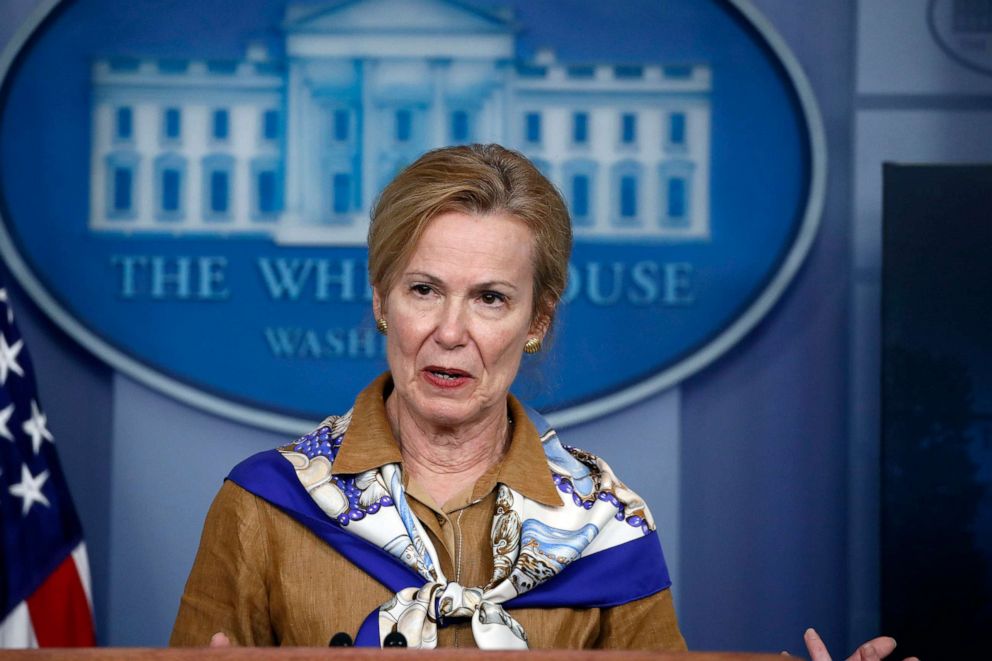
[
  {"x": 377, "y": 310},
  {"x": 540, "y": 326}
]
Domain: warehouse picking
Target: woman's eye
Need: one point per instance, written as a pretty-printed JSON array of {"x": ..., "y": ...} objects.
[
  {"x": 492, "y": 298},
  {"x": 422, "y": 290}
]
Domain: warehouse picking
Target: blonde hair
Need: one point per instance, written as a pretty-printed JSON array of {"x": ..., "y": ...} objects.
[{"x": 478, "y": 180}]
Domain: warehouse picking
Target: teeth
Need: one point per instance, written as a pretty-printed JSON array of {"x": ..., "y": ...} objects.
[{"x": 444, "y": 375}]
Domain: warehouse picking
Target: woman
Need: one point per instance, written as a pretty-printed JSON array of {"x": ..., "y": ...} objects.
[
  {"x": 440, "y": 496},
  {"x": 440, "y": 508}
]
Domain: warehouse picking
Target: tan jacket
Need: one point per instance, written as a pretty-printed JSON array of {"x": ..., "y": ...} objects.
[{"x": 264, "y": 579}]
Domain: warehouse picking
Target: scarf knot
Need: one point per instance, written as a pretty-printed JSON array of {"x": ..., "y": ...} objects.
[{"x": 417, "y": 613}]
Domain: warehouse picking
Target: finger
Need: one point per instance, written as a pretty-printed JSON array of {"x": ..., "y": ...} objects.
[
  {"x": 219, "y": 639},
  {"x": 884, "y": 645},
  {"x": 874, "y": 650},
  {"x": 866, "y": 652},
  {"x": 814, "y": 645}
]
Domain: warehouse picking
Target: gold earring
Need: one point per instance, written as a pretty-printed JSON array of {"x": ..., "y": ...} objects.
[
  {"x": 533, "y": 345},
  {"x": 381, "y": 325}
]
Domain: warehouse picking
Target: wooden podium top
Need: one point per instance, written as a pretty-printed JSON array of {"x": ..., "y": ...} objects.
[{"x": 353, "y": 654}]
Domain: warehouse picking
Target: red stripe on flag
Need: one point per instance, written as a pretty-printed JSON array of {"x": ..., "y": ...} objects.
[{"x": 59, "y": 610}]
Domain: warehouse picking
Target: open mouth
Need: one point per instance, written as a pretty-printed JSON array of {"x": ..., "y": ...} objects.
[{"x": 446, "y": 374}]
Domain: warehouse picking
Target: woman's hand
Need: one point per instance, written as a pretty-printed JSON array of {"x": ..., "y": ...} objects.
[
  {"x": 874, "y": 650},
  {"x": 220, "y": 639}
]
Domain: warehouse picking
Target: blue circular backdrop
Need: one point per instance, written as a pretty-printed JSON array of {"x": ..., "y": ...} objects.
[{"x": 760, "y": 169}]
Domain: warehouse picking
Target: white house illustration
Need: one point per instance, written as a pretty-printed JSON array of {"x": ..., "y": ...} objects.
[{"x": 298, "y": 146}]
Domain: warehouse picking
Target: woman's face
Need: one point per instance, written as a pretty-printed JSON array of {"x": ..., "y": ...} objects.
[{"x": 459, "y": 315}]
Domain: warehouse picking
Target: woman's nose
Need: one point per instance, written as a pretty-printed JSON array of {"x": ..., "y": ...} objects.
[{"x": 451, "y": 328}]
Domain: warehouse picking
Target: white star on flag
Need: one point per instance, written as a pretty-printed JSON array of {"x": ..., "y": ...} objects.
[
  {"x": 4, "y": 419},
  {"x": 8, "y": 358},
  {"x": 6, "y": 302},
  {"x": 29, "y": 489},
  {"x": 36, "y": 428}
]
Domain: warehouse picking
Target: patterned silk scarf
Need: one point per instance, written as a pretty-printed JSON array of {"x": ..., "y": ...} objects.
[{"x": 531, "y": 542}]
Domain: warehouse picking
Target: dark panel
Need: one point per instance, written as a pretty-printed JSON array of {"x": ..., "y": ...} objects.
[{"x": 936, "y": 546}]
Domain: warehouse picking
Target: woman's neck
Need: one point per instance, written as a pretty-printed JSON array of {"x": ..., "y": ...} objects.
[{"x": 446, "y": 461}]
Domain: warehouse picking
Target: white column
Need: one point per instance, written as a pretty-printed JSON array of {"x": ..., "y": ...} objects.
[
  {"x": 370, "y": 131},
  {"x": 294, "y": 146},
  {"x": 439, "y": 106},
  {"x": 504, "y": 106}
]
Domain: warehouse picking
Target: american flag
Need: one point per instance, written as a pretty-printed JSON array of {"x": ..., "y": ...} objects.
[{"x": 44, "y": 574}]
